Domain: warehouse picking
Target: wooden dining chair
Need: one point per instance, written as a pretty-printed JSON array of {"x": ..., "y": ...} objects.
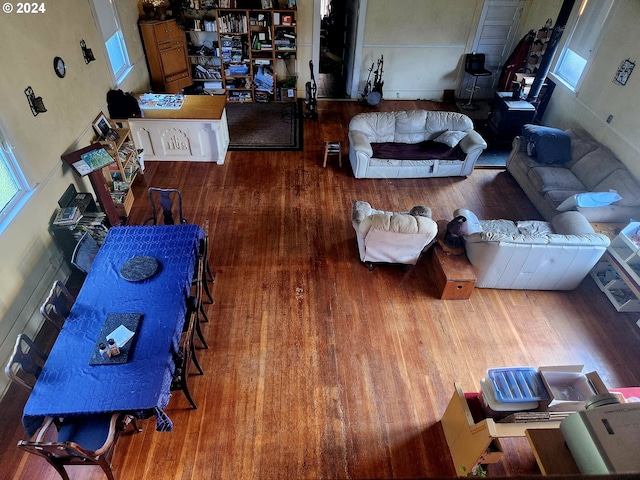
[
  {"x": 184, "y": 357},
  {"x": 166, "y": 206},
  {"x": 25, "y": 363},
  {"x": 58, "y": 304},
  {"x": 204, "y": 252},
  {"x": 194, "y": 302},
  {"x": 87, "y": 440},
  {"x": 85, "y": 252}
]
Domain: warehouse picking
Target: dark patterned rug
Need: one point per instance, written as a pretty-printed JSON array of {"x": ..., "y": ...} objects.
[{"x": 265, "y": 126}]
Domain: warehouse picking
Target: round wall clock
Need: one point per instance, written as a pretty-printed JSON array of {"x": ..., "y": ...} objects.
[{"x": 59, "y": 67}]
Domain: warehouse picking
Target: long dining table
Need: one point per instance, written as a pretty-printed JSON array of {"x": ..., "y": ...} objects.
[{"x": 70, "y": 384}]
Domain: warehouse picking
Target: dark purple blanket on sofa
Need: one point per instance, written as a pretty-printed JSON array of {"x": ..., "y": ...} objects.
[{"x": 428, "y": 150}]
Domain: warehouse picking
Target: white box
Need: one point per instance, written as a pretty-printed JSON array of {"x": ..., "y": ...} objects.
[{"x": 568, "y": 387}]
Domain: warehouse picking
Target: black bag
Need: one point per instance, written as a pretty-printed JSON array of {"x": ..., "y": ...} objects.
[{"x": 122, "y": 105}]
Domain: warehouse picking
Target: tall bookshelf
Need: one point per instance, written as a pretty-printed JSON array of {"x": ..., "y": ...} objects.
[{"x": 247, "y": 54}]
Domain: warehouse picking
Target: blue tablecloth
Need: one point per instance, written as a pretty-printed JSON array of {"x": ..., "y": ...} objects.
[{"x": 68, "y": 385}]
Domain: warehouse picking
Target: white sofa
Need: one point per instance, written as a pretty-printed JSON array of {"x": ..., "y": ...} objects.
[
  {"x": 532, "y": 255},
  {"x": 392, "y": 237},
  {"x": 411, "y": 127}
]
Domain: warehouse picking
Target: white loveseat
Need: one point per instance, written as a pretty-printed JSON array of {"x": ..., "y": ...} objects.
[
  {"x": 392, "y": 237},
  {"x": 532, "y": 255},
  {"x": 411, "y": 128}
]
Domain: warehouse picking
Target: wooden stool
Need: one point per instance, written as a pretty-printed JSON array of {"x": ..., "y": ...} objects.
[
  {"x": 453, "y": 274},
  {"x": 332, "y": 135}
]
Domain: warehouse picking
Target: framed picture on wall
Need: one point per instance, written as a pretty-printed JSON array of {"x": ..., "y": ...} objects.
[
  {"x": 101, "y": 125},
  {"x": 623, "y": 72}
]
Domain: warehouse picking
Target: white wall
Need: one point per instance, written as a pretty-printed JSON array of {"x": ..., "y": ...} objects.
[
  {"x": 28, "y": 44},
  {"x": 599, "y": 97}
]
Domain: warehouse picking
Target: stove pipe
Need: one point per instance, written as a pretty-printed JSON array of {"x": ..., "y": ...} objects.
[{"x": 552, "y": 46}]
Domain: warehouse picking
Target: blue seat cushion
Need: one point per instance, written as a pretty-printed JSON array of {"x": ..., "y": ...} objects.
[{"x": 90, "y": 431}]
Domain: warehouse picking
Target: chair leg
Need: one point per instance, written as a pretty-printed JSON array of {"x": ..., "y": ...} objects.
[
  {"x": 106, "y": 468},
  {"x": 60, "y": 469},
  {"x": 470, "y": 105},
  {"x": 187, "y": 394},
  {"x": 204, "y": 315},
  {"x": 201, "y": 336},
  {"x": 208, "y": 273},
  {"x": 207, "y": 291},
  {"x": 194, "y": 357}
]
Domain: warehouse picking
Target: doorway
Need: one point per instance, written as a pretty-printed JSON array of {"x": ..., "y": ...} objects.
[{"x": 336, "y": 46}]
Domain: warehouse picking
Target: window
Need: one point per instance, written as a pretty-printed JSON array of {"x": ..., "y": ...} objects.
[
  {"x": 106, "y": 18},
  {"x": 13, "y": 186},
  {"x": 582, "y": 41}
]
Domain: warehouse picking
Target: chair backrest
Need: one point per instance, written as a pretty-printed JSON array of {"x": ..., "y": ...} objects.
[
  {"x": 58, "y": 304},
  {"x": 85, "y": 252},
  {"x": 98, "y": 434},
  {"x": 25, "y": 363},
  {"x": 184, "y": 356},
  {"x": 474, "y": 62},
  {"x": 166, "y": 206}
]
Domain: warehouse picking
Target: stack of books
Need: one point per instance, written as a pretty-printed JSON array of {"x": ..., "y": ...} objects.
[{"x": 67, "y": 216}]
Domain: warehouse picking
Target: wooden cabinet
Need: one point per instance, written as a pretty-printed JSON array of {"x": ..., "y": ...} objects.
[
  {"x": 165, "y": 46},
  {"x": 250, "y": 55}
]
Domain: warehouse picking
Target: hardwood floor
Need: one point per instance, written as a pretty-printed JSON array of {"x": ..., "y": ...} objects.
[{"x": 320, "y": 368}]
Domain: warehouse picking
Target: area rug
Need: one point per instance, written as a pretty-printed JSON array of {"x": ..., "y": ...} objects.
[
  {"x": 493, "y": 158},
  {"x": 265, "y": 126}
]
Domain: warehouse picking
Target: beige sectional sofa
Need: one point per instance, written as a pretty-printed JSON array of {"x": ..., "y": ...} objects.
[
  {"x": 410, "y": 130},
  {"x": 591, "y": 168}
]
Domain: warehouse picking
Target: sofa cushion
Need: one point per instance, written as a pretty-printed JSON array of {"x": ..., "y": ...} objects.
[
  {"x": 504, "y": 227},
  {"x": 589, "y": 199},
  {"x": 437, "y": 122},
  {"x": 409, "y": 126},
  {"x": 547, "y": 145},
  {"x": 554, "y": 178},
  {"x": 624, "y": 184},
  {"x": 581, "y": 144},
  {"x": 403, "y": 224},
  {"x": 534, "y": 227},
  {"x": 450, "y": 137},
  {"x": 595, "y": 166},
  {"x": 428, "y": 150}
]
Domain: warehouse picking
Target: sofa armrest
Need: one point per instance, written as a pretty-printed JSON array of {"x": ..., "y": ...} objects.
[
  {"x": 519, "y": 144},
  {"x": 359, "y": 211},
  {"x": 571, "y": 223},
  {"x": 360, "y": 143},
  {"x": 471, "y": 141}
]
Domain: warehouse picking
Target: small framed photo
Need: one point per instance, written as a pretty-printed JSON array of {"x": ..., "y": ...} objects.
[{"x": 101, "y": 125}]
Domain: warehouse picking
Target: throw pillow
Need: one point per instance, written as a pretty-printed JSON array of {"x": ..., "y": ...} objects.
[
  {"x": 589, "y": 199},
  {"x": 547, "y": 145},
  {"x": 450, "y": 137}
]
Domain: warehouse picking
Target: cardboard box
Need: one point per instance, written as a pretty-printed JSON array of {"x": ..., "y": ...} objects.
[{"x": 568, "y": 387}]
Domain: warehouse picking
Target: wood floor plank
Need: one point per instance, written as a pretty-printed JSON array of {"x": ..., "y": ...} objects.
[{"x": 320, "y": 368}]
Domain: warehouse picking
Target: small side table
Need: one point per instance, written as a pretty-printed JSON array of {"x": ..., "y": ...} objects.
[
  {"x": 332, "y": 138},
  {"x": 453, "y": 274}
]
